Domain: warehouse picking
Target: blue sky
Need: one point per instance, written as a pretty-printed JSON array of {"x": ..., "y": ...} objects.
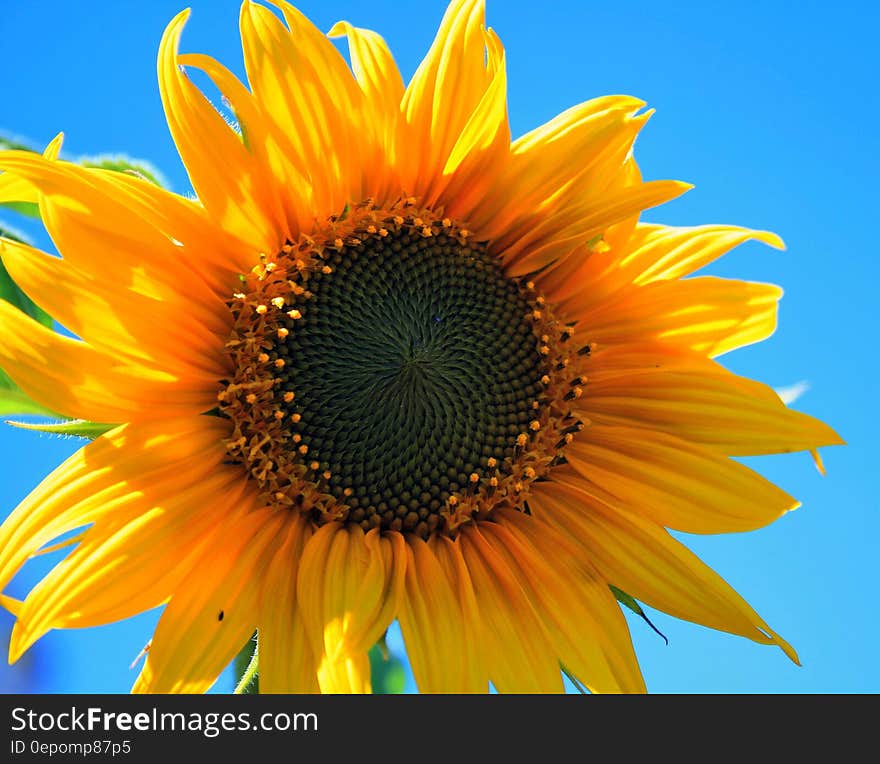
[{"x": 771, "y": 113}]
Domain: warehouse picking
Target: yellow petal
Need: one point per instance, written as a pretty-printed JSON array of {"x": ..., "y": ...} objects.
[
  {"x": 599, "y": 132},
  {"x": 641, "y": 558},
  {"x": 557, "y": 235},
  {"x": 74, "y": 379},
  {"x": 516, "y": 649},
  {"x": 303, "y": 84},
  {"x": 444, "y": 94},
  {"x": 17, "y": 189},
  {"x": 213, "y": 611},
  {"x": 10, "y": 603},
  {"x": 349, "y": 588},
  {"x": 707, "y": 314},
  {"x": 448, "y": 553},
  {"x": 710, "y": 406},
  {"x": 664, "y": 252},
  {"x": 226, "y": 178},
  {"x": 482, "y": 149},
  {"x": 674, "y": 482},
  {"x": 287, "y": 186},
  {"x": 286, "y": 661},
  {"x": 127, "y": 232},
  {"x": 434, "y": 629},
  {"x": 379, "y": 79},
  {"x": 377, "y": 74},
  {"x": 582, "y": 618},
  {"x": 124, "y": 468},
  {"x": 651, "y": 253},
  {"x": 115, "y": 320},
  {"x": 134, "y": 558}
]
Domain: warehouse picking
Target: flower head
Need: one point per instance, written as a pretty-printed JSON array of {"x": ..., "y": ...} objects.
[{"x": 389, "y": 365}]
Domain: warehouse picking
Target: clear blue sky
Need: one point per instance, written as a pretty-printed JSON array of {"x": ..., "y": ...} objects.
[{"x": 769, "y": 108}]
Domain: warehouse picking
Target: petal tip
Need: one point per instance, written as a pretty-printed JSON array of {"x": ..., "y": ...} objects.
[{"x": 339, "y": 29}]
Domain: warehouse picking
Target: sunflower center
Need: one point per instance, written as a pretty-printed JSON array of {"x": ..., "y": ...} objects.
[
  {"x": 389, "y": 374},
  {"x": 413, "y": 364}
]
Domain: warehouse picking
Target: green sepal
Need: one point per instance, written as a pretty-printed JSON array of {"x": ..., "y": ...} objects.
[
  {"x": 246, "y": 668},
  {"x": 578, "y": 685},
  {"x": 625, "y": 599},
  {"x": 79, "y": 428}
]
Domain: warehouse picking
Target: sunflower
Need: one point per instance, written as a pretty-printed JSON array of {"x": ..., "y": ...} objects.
[{"x": 388, "y": 366}]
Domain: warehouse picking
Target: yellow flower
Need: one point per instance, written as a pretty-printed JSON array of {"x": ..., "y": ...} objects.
[{"x": 390, "y": 365}]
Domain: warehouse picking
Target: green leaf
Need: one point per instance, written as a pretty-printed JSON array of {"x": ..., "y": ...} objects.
[
  {"x": 14, "y": 401},
  {"x": 387, "y": 674},
  {"x": 625, "y": 599},
  {"x": 8, "y": 144},
  {"x": 121, "y": 163},
  {"x": 11, "y": 292},
  {"x": 29, "y": 209},
  {"x": 79, "y": 428}
]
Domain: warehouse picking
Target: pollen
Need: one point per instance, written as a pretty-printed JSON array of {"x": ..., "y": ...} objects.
[
  {"x": 288, "y": 396},
  {"x": 278, "y": 302}
]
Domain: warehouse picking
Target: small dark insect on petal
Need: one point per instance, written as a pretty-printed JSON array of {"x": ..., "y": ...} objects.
[{"x": 220, "y": 615}]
